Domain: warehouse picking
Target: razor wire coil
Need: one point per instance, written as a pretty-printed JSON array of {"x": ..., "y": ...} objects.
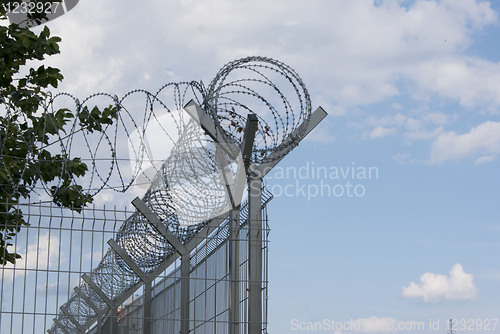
[{"x": 183, "y": 188}]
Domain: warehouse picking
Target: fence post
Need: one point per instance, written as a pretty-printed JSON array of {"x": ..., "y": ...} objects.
[
  {"x": 234, "y": 272},
  {"x": 255, "y": 255}
]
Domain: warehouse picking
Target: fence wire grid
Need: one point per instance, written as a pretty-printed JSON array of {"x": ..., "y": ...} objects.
[{"x": 60, "y": 246}]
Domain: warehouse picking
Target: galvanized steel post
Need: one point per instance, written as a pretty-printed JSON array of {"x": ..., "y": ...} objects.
[{"x": 255, "y": 255}]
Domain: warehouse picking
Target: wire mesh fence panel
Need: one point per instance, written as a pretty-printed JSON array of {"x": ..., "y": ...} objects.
[
  {"x": 56, "y": 248},
  {"x": 209, "y": 287},
  {"x": 60, "y": 247}
]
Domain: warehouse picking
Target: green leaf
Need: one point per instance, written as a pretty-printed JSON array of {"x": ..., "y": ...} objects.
[{"x": 25, "y": 129}]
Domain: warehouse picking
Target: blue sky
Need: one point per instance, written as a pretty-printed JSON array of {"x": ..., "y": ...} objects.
[{"x": 412, "y": 89}]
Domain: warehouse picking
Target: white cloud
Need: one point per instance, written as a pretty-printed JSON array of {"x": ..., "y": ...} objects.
[
  {"x": 380, "y": 132},
  {"x": 483, "y": 140},
  {"x": 423, "y": 134},
  {"x": 434, "y": 288},
  {"x": 436, "y": 118},
  {"x": 41, "y": 254},
  {"x": 470, "y": 81},
  {"x": 484, "y": 159},
  {"x": 355, "y": 52},
  {"x": 105, "y": 197},
  {"x": 402, "y": 158},
  {"x": 349, "y": 53},
  {"x": 413, "y": 128}
]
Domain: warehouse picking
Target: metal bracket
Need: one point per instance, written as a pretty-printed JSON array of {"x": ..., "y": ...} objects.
[
  {"x": 211, "y": 128},
  {"x": 97, "y": 290},
  {"x": 158, "y": 224},
  {"x": 61, "y": 327},
  {"x": 262, "y": 169},
  {"x": 72, "y": 319},
  {"x": 128, "y": 260},
  {"x": 86, "y": 299}
]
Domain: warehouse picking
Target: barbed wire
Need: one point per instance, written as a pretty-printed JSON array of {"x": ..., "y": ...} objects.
[
  {"x": 154, "y": 142},
  {"x": 267, "y": 88},
  {"x": 124, "y": 150}
]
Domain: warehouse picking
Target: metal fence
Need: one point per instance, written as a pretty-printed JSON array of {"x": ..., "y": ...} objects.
[
  {"x": 61, "y": 247},
  {"x": 57, "y": 248},
  {"x": 191, "y": 257}
]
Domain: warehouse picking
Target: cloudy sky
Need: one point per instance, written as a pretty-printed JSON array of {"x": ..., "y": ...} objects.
[{"x": 405, "y": 225}]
